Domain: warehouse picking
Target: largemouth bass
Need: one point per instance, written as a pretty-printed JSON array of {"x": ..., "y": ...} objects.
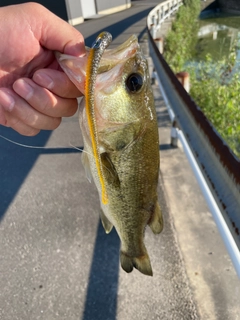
[{"x": 120, "y": 132}]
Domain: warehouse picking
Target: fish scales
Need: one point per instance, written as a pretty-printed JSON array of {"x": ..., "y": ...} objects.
[{"x": 127, "y": 134}]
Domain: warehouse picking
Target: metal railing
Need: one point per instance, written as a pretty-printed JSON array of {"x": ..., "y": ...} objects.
[
  {"x": 215, "y": 166},
  {"x": 160, "y": 13}
]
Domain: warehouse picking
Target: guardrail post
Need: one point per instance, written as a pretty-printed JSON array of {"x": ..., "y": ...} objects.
[
  {"x": 153, "y": 78},
  {"x": 172, "y": 7},
  {"x": 159, "y": 44},
  {"x": 174, "y": 136},
  {"x": 162, "y": 13},
  {"x": 184, "y": 78},
  {"x": 154, "y": 20},
  {"x": 159, "y": 16},
  {"x": 153, "y": 31}
]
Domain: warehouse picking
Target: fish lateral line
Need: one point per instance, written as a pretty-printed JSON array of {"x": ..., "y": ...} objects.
[{"x": 95, "y": 55}]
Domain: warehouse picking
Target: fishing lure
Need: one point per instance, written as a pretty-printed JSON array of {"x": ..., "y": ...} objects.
[{"x": 95, "y": 55}]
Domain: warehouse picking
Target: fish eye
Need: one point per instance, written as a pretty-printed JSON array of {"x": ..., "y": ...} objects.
[{"x": 134, "y": 82}]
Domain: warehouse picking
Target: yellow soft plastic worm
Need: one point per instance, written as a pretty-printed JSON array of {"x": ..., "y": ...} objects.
[{"x": 96, "y": 52}]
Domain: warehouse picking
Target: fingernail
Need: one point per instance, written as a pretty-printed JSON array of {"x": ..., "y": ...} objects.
[
  {"x": 78, "y": 50},
  {"x": 23, "y": 89},
  {"x": 6, "y": 100},
  {"x": 44, "y": 80}
]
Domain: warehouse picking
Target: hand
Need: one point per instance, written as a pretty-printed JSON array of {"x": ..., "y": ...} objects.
[{"x": 34, "y": 92}]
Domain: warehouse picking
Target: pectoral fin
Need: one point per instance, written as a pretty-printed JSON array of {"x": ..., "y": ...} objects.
[
  {"x": 110, "y": 172},
  {"x": 107, "y": 225},
  {"x": 86, "y": 165},
  {"x": 121, "y": 136},
  {"x": 156, "y": 221}
]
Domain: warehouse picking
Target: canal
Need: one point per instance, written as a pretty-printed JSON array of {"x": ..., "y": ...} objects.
[{"x": 218, "y": 35}]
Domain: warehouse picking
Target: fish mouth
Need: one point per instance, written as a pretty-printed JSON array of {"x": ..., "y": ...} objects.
[
  {"x": 75, "y": 67},
  {"x": 120, "y": 54},
  {"x": 112, "y": 64}
]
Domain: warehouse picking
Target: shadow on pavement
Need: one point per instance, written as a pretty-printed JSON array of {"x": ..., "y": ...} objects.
[
  {"x": 117, "y": 28},
  {"x": 16, "y": 161},
  {"x": 101, "y": 298}
]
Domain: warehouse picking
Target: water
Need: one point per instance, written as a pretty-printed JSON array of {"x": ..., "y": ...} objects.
[{"x": 218, "y": 36}]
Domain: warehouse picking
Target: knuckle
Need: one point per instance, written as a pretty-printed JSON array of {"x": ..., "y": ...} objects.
[
  {"x": 55, "y": 124},
  {"x": 47, "y": 103},
  {"x": 13, "y": 122},
  {"x": 28, "y": 118},
  {"x": 72, "y": 107},
  {"x": 66, "y": 88}
]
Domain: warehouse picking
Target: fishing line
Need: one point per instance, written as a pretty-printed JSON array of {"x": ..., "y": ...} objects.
[
  {"x": 38, "y": 147},
  {"x": 71, "y": 146},
  {"x": 50, "y": 148}
]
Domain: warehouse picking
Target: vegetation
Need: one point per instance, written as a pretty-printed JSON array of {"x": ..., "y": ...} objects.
[
  {"x": 181, "y": 41},
  {"x": 216, "y": 90},
  {"x": 215, "y": 86}
]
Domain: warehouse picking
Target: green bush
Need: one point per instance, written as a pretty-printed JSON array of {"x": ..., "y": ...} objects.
[
  {"x": 214, "y": 87},
  {"x": 217, "y": 91},
  {"x": 181, "y": 41}
]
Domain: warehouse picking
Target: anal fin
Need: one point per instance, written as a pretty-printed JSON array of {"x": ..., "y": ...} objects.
[
  {"x": 156, "y": 221},
  {"x": 107, "y": 225}
]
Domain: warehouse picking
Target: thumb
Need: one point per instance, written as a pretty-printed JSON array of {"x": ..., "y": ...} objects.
[{"x": 57, "y": 34}]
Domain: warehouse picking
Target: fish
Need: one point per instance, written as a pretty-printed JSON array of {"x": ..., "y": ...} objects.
[{"x": 121, "y": 144}]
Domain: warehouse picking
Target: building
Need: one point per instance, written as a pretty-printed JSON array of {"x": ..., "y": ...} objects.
[{"x": 76, "y": 11}]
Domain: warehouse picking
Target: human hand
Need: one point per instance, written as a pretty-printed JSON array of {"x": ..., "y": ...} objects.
[{"x": 34, "y": 93}]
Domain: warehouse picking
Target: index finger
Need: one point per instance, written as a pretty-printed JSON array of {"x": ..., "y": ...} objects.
[{"x": 57, "y": 34}]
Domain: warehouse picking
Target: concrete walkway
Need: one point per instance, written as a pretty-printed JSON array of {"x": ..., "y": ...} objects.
[{"x": 56, "y": 260}]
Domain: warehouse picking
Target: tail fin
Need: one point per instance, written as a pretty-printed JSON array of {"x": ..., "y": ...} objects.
[{"x": 141, "y": 263}]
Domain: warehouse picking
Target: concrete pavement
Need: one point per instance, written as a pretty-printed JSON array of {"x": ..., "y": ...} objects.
[{"x": 56, "y": 260}]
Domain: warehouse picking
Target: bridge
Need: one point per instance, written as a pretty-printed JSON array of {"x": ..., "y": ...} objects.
[{"x": 56, "y": 260}]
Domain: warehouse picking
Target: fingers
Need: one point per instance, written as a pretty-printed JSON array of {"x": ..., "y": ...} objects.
[
  {"x": 57, "y": 82},
  {"x": 51, "y": 31},
  {"x": 19, "y": 126},
  {"x": 57, "y": 34},
  {"x": 22, "y": 117},
  {"x": 31, "y": 107},
  {"x": 43, "y": 100},
  {"x": 39, "y": 103}
]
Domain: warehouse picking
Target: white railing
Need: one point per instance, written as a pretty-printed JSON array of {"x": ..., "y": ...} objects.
[{"x": 160, "y": 13}]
